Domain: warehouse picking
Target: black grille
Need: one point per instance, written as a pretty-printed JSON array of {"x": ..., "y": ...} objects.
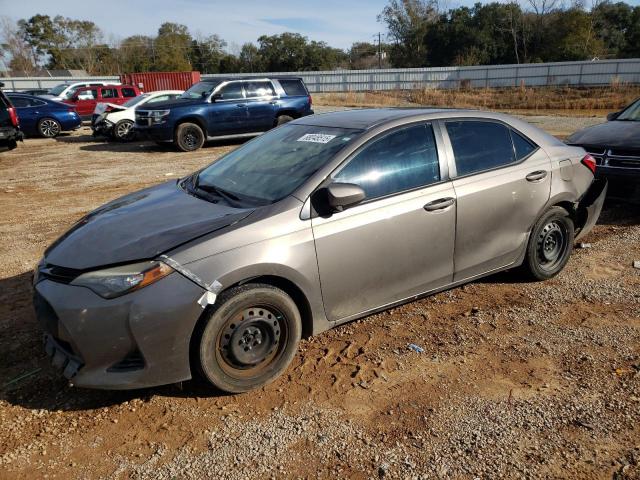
[
  {"x": 625, "y": 152},
  {"x": 133, "y": 361},
  {"x": 58, "y": 274}
]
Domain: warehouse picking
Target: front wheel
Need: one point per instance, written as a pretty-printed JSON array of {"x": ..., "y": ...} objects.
[
  {"x": 250, "y": 338},
  {"x": 123, "y": 131},
  {"x": 49, "y": 128},
  {"x": 189, "y": 137},
  {"x": 550, "y": 244}
]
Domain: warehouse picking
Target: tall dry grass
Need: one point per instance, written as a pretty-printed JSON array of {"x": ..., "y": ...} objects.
[{"x": 533, "y": 99}]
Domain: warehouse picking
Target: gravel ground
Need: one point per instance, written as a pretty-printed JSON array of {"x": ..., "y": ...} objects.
[{"x": 516, "y": 379}]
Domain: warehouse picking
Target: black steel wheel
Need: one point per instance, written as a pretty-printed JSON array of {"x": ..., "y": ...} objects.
[
  {"x": 49, "y": 127},
  {"x": 189, "y": 137},
  {"x": 550, "y": 244},
  {"x": 282, "y": 119},
  {"x": 250, "y": 337}
]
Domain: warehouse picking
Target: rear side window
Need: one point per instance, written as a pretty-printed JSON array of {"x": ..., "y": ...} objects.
[
  {"x": 402, "y": 160},
  {"x": 479, "y": 146},
  {"x": 294, "y": 87},
  {"x": 523, "y": 146},
  {"x": 259, "y": 89},
  {"x": 128, "y": 92},
  {"x": 109, "y": 92},
  {"x": 20, "y": 102}
]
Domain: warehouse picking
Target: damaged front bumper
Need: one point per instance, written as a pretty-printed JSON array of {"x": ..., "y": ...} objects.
[
  {"x": 590, "y": 206},
  {"x": 138, "y": 340}
]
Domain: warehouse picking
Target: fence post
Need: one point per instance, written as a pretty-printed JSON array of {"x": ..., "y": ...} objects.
[
  {"x": 546, "y": 82},
  {"x": 486, "y": 77},
  {"x": 515, "y": 81},
  {"x": 580, "y": 75}
]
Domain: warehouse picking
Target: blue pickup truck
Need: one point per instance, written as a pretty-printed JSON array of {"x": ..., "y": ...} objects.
[{"x": 224, "y": 108}]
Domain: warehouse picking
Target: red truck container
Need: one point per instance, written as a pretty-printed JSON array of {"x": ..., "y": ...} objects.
[{"x": 153, "y": 81}]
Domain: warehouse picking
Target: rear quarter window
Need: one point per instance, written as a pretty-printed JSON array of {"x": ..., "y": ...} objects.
[
  {"x": 128, "y": 92},
  {"x": 294, "y": 87}
]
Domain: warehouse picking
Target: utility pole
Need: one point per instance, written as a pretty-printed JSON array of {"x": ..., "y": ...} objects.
[{"x": 379, "y": 51}]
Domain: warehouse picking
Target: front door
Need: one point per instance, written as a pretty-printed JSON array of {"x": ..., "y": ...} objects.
[
  {"x": 262, "y": 103},
  {"x": 227, "y": 114},
  {"x": 399, "y": 241},
  {"x": 87, "y": 101},
  {"x": 503, "y": 181}
]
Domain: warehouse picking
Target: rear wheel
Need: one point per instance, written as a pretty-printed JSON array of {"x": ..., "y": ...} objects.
[
  {"x": 123, "y": 131},
  {"x": 189, "y": 137},
  {"x": 550, "y": 244},
  {"x": 49, "y": 127},
  {"x": 282, "y": 119},
  {"x": 250, "y": 338}
]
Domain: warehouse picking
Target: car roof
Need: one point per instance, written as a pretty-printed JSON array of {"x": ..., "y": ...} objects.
[{"x": 253, "y": 77}]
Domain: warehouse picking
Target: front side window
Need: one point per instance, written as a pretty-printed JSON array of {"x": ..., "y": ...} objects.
[
  {"x": 273, "y": 165},
  {"x": 231, "y": 91},
  {"x": 399, "y": 161},
  {"x": 88, "y": 94},
  {"x": 259, "y": 89},
  {"x": 631, "y": 113},
  {"x": 479, "y": 145}
]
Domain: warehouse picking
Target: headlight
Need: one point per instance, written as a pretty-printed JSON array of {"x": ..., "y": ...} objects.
[
  {"x": 116, "y": 281},
  {"x": 158, "y": 116}
]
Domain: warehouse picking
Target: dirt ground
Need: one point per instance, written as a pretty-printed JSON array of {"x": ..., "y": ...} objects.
[{"x": 515, "y": 380}]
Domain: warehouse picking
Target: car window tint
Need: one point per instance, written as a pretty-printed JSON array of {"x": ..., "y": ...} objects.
[
  {"x": 232, "y": 91},
  {"x": 259, "y": 89},
  {"x": 20, "y": 102},
  {"x": 293, "y": 87},
  {"x": 36, "y": 103},
  {"x": 109, "y": 92},
  {"x": 479, "y": 146},
  {"x": 128, "y": 92},
  {"x": 159, "y": 98},
  {"x": 523, "y": 146},
  {"x": 399, "y": 161}
]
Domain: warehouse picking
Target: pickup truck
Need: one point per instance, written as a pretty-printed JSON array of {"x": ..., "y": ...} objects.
[{"x": 217, "y": 108}]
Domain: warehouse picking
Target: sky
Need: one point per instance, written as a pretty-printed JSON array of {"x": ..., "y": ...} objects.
[{"x": 337, "y": 22}]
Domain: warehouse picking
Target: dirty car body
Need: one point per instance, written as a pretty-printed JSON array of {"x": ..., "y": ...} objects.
[{"x": 345, "y": 214}]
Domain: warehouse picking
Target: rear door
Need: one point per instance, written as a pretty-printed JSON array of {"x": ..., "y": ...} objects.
[
  {"x": 227, "y": 114},
  {"x": 262, "y": 103},
  {"x": 502, "y": 181},
  {"x": 399, "y": 241},
  {"x": 26, "y": 113}
]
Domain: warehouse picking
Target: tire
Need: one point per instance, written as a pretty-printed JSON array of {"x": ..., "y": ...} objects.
[
  {"x": 49, "y": 127},
  {"x": 249, "y": 338},
  {"x": 189, "y": 137},
  {"x": 123, "y": 131},
  {"x": 282, "y": 119},
  {"x": 550, "y": 244}
]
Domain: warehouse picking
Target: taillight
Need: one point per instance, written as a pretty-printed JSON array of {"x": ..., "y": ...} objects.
[
  {"x": 13, "y": 116},
  {"x": 589, "y": 162},
  {"x": 310, "y": 100}
]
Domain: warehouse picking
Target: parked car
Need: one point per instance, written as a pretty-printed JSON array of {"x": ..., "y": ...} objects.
[
  {"x": 615, "y": 144},
  {"x": 44, "y": 117},
  {"x": 320, "y": 221},
  {"x": 117, "y": 121},
  {"x": 85, "y": 99},
  {"x": 224, "y": 108},
  {"x": 64, "y": 91},
  {"x": 9, "y": 124},
  {"x": 36, "y": 91}
]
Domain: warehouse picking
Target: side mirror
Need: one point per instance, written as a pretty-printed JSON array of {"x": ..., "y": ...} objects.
[
  {"x": 613, "y": 115},
  {"x": 343, "y": 195},
  {"x": 216, "y": 96}
]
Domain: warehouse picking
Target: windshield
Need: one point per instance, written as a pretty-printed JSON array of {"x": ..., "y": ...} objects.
[
  {"x": 273, "y": 165},
  {"x": 135, "y": 100},
  {"x": 198, "y": 89},
  {"x": 631, "y": 113},
  {"x": 58, "y": 89}
]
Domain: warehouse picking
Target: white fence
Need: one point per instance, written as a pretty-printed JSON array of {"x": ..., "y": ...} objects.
[{"x": 594, "y": 73}]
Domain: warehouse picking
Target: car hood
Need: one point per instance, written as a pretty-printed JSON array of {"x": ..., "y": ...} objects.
[
  {"x": 616, "y": 134},
  {"x": 140, "y": 226},
  {"x": 169, "y": 104}
]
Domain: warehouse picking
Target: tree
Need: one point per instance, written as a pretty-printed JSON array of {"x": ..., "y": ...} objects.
[
  {"x": 172, "y": 48},
  {"x": 16, "y": 53},
  {"x": 612, "y": 21},
  {"x": 207, "y": 54},
  {"x": 250, "y": 59},
  {"x": 136, "y": 54}
]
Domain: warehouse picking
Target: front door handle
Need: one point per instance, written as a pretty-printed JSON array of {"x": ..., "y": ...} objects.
[
  {"x": 241, "y": 105},
  {"x": 439, "y": 204},
  {"x": 536, "y": 176}
]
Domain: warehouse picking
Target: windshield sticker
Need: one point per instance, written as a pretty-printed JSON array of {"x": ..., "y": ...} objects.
[{"x": 316, "y": 138}]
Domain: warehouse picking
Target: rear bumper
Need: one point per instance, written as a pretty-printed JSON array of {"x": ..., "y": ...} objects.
[{"x": 590, "y": 206}]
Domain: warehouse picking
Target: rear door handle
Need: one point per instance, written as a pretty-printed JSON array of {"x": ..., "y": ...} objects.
[
  {"x": 241, "y": 105},
  {"x": 536, "y": 176},
  {"x": 439, "y": 204}
]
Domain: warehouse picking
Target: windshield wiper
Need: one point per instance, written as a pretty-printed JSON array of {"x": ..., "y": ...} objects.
[{"x": 215, "y": 190}]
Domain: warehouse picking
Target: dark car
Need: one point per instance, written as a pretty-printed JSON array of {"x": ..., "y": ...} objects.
[
  {"x": 9, "y": 125},
  {"x": 614, "y": 144},
  {"x": 224, "y": 108},
  {"x": 44, "y": 117},
  {"x": 36, "y": 91},
  {"x": 321, "y": 221}
]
